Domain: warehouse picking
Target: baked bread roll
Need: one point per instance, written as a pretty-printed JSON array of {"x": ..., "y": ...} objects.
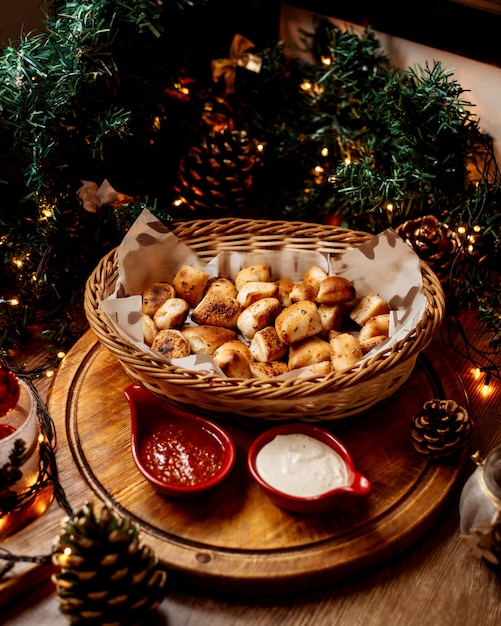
[
  {"x": 308, "y": 351},
  {"x": 258, "y": 272},
  {"x": 285, "y": 286},
  {"x": 206, "y": 339},
  {"x": 346, "y": 351},
  {"x": 149, "y": 329},
  {"x": 268, "y": 370},
  {"x": 314, "y": 276},
  {"x": 369, "y": 306},
  {"x": 232, "y": 363},
  {"x": 171, "y": 343},
  {"x": 267, "y": 346},
  {"x": 301, "y": 291},
  {"x": 324, "y": 368},
  {"x": 378, "y": 325},
  {"x": 373, "y": 342},
  {"x": 335, "y": 289},
  {"x": 258, "y": 315},
  {"x": 189, "y": 283},
  {"x": 217, "y": 310},
  {"x": 235, "y": 345},
  {"x": 171, "y": 314},
  {"x": 331, "y": 318},
  {"x": 299, "y": 321},
  {"x": 256, "y": 290},
  {"x": 221, "y": 287},
  {"x": 155, "y": 295}
]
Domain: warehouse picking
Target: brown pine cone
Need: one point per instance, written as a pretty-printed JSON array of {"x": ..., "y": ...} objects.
[
  {"x": 440, "y": 429},
  {"x": 434, "y": 242}
]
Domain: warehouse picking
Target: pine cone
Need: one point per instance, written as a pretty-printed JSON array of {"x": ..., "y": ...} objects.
[
  {"x": 433, "y": 242},
  {"x": 106, "y": 577},
  {"x": 440, "y": 429},
  {"x": 215, "y": 176}
]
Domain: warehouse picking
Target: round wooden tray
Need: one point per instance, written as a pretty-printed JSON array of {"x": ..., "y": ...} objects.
[{"x": 234, "y": 538}]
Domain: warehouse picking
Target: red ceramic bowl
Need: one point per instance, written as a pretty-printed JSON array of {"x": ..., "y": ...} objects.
[
  {"x": 292, "y": 475},
  {"x": 181, "y": 454}
]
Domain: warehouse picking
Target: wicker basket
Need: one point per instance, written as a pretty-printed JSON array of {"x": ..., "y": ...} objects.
[{"x": 338, "y": 395}]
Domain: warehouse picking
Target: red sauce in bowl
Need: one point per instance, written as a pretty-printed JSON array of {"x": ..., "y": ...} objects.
[
  {"x": 6, "y": 430},
  {"x": 180, "y": 453}
]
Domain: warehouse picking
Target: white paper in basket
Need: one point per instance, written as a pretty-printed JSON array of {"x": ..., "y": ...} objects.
[{"x": 150, "y": 252}]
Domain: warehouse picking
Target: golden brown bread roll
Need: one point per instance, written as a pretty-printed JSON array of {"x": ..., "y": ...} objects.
[
  {"x": 171, "y": 343},
  {"x": 256, "y": 290},
  {"x": 299, "y": 321},
  {"x": 171, "y": 314},
  {"x": 267, "y": 346},
  {"x": 149, "y": 329},
  {"x": 314, "y": 275},
  {"x": 232, "y": 362},
  {"x": 217, "y": 310},
  {"x": 155, "y": 295},
  {"x": 331, "y": 318},
  {"x": 258, "y": 315},
  {"x": 335, "y": 289},
  {"x": 206, "y": 339},
  {"x": 258, "y": 272},
  {"x": 221, "y": 287},
  {"x": 373, "y": 342},
  {"x": 308, "y": 351},
  {"x": 317, "y": 369},
  {"x": 301, "y": 291},
  {"x": 369, "y": 306},
  {"x": 268, "y": 370},
  {"x": 236, "y": 345},
  {"x": 374, "y": 326},
  {"x": 346, "y": 350},
  {"x": 189, "y": 283},
  {"x": 285, "y": 286}
]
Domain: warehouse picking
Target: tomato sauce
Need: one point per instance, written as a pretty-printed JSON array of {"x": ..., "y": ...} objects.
[{"x": 181, "y": 453}]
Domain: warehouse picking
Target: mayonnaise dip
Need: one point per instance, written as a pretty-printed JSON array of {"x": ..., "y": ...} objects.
[{"x": 300, "y": 465}]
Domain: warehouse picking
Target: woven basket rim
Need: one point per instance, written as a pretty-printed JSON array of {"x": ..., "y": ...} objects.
[{"x": 101, "y": 281}]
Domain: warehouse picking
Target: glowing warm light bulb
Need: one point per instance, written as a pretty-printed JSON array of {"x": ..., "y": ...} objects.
[
  {"x": 306, "y": 85},
  {"x": 49, "y": 373},
  {"x": 61, "y": 354},
  {"x": 347, "y": 161},
  {"x": 389, "y": 207},
  {"x": 461, "y": 230},
  {"x": 326, "y": 60},
  {"x": 486, "y": 390},
  {"x": 476, "y": 373},
  {"x": 319, "y": 169},
  {"x": 260, "y": 147},
  {"x": 325, "y": 152}
]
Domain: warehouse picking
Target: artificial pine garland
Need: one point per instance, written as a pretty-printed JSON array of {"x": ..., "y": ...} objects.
[{"x": 125, "y": 92}]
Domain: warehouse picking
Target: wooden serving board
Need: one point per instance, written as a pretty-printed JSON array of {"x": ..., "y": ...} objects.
[{"x": 234, "y": 538}]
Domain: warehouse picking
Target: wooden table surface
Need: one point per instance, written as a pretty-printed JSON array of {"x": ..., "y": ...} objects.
[{"x": 436, "y": 581}]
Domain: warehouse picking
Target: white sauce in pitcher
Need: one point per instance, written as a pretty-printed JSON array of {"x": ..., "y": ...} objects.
[{"x": 300, "y": 465}]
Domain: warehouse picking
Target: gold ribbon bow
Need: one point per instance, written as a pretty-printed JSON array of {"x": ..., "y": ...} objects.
[{"x": 239, "y": 56}]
